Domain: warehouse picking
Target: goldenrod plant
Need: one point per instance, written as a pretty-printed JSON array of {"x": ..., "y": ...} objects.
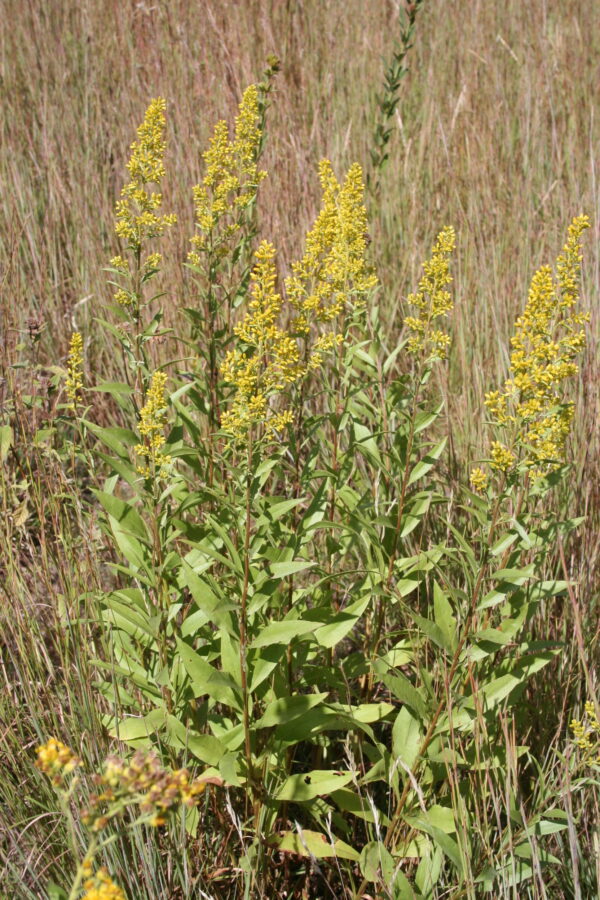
[
  {"x": 307, "y": 644},
  {"x": 284, "y": 611}
]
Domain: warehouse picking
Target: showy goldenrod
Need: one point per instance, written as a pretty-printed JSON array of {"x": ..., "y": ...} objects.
[
  {"x": 267, "y": 359},
  {"x": 151, "y": 427},
  {"x": 432, "y": 301},
  {"x": 548, "y": 337},
  {"x": 232, "y": 177},
  {"x": 587, "y": 734},
  {"x": 333, "y": 273},
  {"x": 137, "y": 217},
  {"x": 74, "y": 382}
]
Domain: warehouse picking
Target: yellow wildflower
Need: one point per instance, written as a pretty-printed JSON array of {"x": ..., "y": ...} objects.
[
  {"x": 151, "y": 427},
  {"x": 479, "y": 480},
  {"x": 232, "y": 175},
  {"x": 145, "y": 783},
  {"x": 548, "y": 336},
  {"x": 587, "y": 734},
  {"x": 432, "y": 300},
  {"x": 334, "y": 269},
  {"x": 268, "y": 359},
  {"x": 74, "y": 381},
  {"x": 101, "y": 887},
  {"x": 136, "y": 216},
  {"x": 503, "y": 459},
  {"x": 56, "y": 760}
]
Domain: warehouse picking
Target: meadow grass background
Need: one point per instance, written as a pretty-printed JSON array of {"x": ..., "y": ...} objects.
[{"x": 497, "y": 133}]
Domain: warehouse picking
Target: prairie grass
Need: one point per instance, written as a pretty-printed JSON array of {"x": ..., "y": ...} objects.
[{"x": 496, "y": 132}]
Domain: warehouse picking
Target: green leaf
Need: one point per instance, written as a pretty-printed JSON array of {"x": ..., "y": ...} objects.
[
  {"x": 139, "y": 728},
  {"x": 6, "y": 441},
  {"x": 404, "y": 691},
  {"x": 427, "y": 463},
  {"x": 314, "y": 843},
  {"x": 358, "y": 805},
  {"x": 288, "y": 708},
  {"x": 206, "y": 680},
  {"x": 285, "y": 569},
  {"x": 308, "y": 785},
  {"x": 406, "y": 737},
  {"x": 376, "y": 863},
  {"x": 281, "y": 632},
  {"x": 127, "y": 517},
  {"x": 343, "y": 622},
  {"x": 114, "y": 388},
  {"x": 55, "y": 892},
  {"x": 444, "y": 617},
  {"x": 446, "y": 844}
]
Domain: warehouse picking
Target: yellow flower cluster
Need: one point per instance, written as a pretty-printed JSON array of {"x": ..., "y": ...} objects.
[
  {"x": 74, "y": 381},
  {"x": 587, "y": 734},
  {"x": 56, "y": 760},
  {"x": 432, "y": 300},
  {"x": 101, "y": 887},
  {"x": 151, "y": 427},
  {"x": 136, "y": 216},
  {"x": 548, "y": 337},
  {"x": 479, "y": 480},
  {"x": 146, "y": 783},
  {"x": 232, "y": 175},
  {"x": 334, "y": 270},
  {"x": 268, "y": 360}
]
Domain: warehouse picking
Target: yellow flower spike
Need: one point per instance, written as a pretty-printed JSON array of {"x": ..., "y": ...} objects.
[
  {"x": 267, "y": 360},
  {"x": 232, "y": 175},
  {"x": 333, "y": 271},
  {"x": 548, "y": 337},
  {"x": 136, "y": 217},
  {"x": 586, "y": 734},
  {"x": 432, "y": 301},
  {"x": 151, "y": 427},
  {"x": 74, "y": 382}
]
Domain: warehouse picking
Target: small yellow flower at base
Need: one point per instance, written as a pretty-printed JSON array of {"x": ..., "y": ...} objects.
[
  {"x": 102, "y": 887},
  {"x": 479, "y": 480}
]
